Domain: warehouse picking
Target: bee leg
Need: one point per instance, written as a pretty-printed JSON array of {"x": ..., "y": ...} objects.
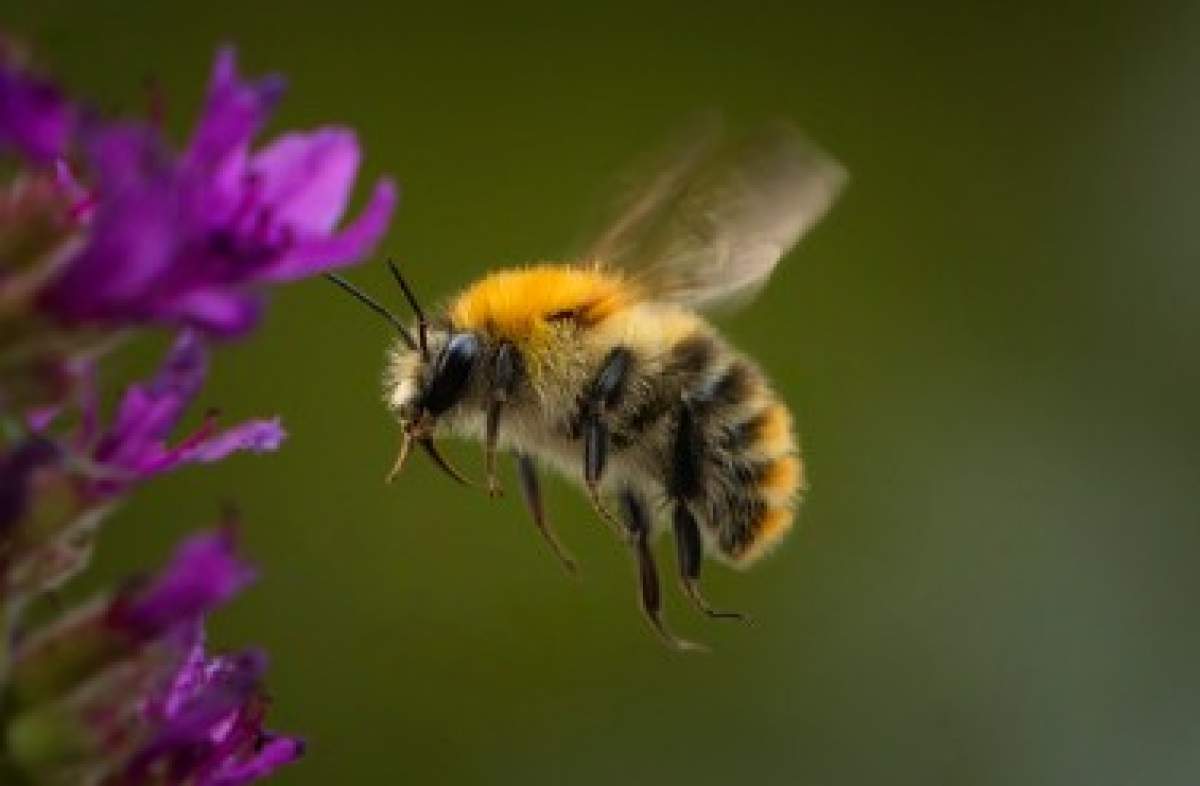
[
  {"x": 685, "y": 482},
  {"x": 595, "y": 451},
  {"x": 532, "y": 491},
  {"x": 491, "y": 435},
  {"x": 440, "y": 462},
  {"x": 691, "y": 552},
  {"x": 603, "y": 394},
  {"x": 507, "y": 369},
  {"x": 637, "y": 521}
]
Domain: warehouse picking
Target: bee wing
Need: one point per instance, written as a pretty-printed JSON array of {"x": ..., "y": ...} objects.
[{"x": 711, "y": 217}]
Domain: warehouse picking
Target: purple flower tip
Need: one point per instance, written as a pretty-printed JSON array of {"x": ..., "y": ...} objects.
[
  {"x": 233, "y": 113},
  {"x": 255, "y": 436},
  {"x": 272, "y": 752},
  {"x": 35, "y": 119},
  {"x": 203, "y": 574}
]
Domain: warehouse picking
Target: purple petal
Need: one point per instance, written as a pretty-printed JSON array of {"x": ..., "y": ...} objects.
[
  {"x": 307, "y": 178},
  {"x": 226, "y": 683},
  {"x": 273, "y": 753},
  {"x": 133, "y": 241},
  {"x": 39, "y": 419},
  {"x": 203, "y": 574},
  {"x": 147, "y": 413},
  {"x": 233, "y": 113},
  {"x": 316, "y": 255},
  {"x": 35, "y": 119},
  {"x": 216, "y": 311},
  {"x": 125, "y": 155},
  {"x": 211, "y": 720},
  {"x": 256, "y": 436},
  {"x": 190, "y": 677}
]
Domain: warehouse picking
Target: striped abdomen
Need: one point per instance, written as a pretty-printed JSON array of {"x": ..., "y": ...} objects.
[{"x": 729, "y": 451}]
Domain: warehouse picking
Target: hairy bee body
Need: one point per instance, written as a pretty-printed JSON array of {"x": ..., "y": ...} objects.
[
  {"x": 605, "y": 369},
  {"x": 695, "y": 421}
]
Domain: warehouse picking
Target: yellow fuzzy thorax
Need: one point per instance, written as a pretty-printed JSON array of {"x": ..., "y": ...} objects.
[{"x": 526, "y": 305}]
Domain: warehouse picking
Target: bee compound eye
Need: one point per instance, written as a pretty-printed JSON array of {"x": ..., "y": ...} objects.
[{"x": 451, "y": 371}]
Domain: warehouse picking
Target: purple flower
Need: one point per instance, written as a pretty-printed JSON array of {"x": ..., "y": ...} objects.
[
  {"x": 209, "y": 724},
  {"x": 207, "y": 718},
  {"x": 188, "y": 239},
  {"x": 126, "y": 689},
  {"x": 105, "y": 226},
  {"x": 54, "y": 493},
  {"x": 203, "y": 574},
  {"x": 135, "y": 446},
  {"x": 35, "y": 120}
]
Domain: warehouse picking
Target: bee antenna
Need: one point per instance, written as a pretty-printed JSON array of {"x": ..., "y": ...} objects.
[
  {"x": 372, "y": 304},
  {"x": 422, "y": 323}
]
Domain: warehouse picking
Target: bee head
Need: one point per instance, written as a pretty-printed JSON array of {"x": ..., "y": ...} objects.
[
  {"x": 426, "y": 376},
  {"x": 422, "y": 384}
]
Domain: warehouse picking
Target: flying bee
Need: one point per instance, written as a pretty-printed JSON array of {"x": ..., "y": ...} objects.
[{"x": 604, "y": 369}]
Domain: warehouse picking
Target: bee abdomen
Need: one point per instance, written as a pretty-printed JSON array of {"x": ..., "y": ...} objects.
[
  {"x": 777, "y": 486},
  {"x": 734, "y": 456}
]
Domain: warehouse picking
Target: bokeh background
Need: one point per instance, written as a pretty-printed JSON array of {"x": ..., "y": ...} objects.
[{"x": 990, "y": 347}]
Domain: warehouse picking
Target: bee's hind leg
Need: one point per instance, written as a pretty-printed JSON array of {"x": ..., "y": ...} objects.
[
  {"x": 691, "y": 553},
  {"x": 685, "y": 482},
  {"x": 637, "y": 520}
]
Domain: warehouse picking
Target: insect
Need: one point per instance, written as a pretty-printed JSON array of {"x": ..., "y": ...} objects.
[{"x": 604, "y": 369}]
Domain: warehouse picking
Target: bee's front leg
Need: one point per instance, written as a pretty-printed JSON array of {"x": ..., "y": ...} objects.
[
  {"x": 505, "y": 373},
  {"x": 602, "y": 395}
]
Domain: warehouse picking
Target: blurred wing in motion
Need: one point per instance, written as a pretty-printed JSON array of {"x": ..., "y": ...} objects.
[{"x": 710, "y": 217}]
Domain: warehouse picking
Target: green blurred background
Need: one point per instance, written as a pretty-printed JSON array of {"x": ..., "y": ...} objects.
[{"x": 989, "y": 345}]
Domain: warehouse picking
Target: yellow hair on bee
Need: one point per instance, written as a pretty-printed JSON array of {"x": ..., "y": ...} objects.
[
  {"x": 658, "y": 327},
  {"x": 769, "y": 530},
  {"x": 781, "y": 479},
  {"x": 774, "y": 432},
  {"x": 520, "y": 304}
]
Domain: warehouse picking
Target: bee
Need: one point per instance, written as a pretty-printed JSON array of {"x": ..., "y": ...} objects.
[{"x": 604, "y": 368}]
